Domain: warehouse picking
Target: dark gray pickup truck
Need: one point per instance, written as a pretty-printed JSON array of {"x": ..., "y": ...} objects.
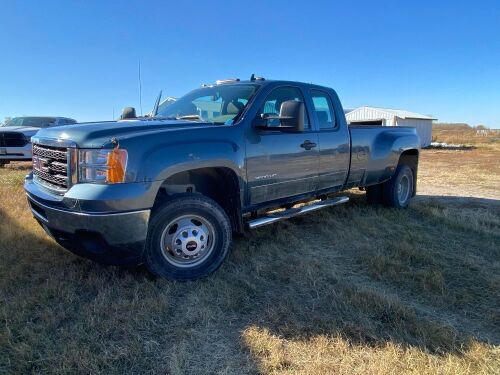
[{"x": 170, "y": 189}]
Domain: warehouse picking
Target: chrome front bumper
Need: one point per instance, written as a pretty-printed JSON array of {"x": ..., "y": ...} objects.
[
  {"x": 116, "y": 228},
  {"x": 113, "y": 238}
]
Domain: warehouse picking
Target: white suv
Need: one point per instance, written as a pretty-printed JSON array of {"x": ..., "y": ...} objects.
[{"x": 15, "y": 136}]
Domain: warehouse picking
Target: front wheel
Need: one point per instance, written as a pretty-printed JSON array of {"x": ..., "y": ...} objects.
[{"x": 189, "y": 237}]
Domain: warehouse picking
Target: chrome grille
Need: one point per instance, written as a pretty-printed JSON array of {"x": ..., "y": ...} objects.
[
  {"x": 58, "y": 166},
  {"x": 50, "y": 166},
  {"x": 59, "y": 153}
]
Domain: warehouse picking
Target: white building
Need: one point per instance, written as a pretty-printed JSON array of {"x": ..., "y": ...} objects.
[{"x": 393, "y": 117}]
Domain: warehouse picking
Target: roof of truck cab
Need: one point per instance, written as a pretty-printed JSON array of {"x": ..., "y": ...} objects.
[{"x": 273, "y": 81}]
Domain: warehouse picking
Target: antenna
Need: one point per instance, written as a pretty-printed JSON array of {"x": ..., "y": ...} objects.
[{"x": 140, "y": 87}]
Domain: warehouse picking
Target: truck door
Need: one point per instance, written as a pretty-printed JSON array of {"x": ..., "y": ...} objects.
[
  {"x": 334, "y": 148},
  {"x": 281, "y": 164}
]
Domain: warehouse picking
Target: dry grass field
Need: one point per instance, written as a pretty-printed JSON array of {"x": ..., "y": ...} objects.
[
  {"x": 350, "y": 290},
  {"x": 464, "y": 134}
]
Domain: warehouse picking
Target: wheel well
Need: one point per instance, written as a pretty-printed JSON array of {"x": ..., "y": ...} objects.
[
  {"x": 410, "y": 158},
  {"x": 220, "y": 184}
]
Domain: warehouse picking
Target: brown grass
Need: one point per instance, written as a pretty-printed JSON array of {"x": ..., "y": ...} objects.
[
  {"x": 352, "y": 289},
  {"x": 466, "y": 173},
  {"x": 464, "y": 134}
]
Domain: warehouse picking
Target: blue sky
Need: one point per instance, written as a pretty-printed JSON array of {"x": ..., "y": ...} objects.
[{"x": 80, "y": 58}]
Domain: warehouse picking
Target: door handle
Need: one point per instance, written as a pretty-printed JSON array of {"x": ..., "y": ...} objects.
[{"x": 308, "y": 145}]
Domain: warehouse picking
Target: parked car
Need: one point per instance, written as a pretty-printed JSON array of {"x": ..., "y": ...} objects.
[
  {"x": 15, "y": 135},
  {"x": 169, "y": 190}
]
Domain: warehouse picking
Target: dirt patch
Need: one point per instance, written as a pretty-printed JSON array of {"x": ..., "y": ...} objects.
[{"x": 461, "y": 173}]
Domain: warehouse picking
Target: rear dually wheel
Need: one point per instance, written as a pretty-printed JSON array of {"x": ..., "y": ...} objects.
[{"x": 396, "y": 192}]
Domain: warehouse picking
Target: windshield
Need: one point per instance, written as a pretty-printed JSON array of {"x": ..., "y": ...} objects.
[
  {"x": 216, "y": 104},
  {"x": 34, "y": 122}
]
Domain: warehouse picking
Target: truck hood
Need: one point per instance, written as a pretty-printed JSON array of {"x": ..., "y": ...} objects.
[
  {"x": 97, "y": 134},
  {"x": 26, "y": 130}
]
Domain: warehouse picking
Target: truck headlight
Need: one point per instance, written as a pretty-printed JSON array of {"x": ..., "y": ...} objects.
[{"x": 102, "y": 166}]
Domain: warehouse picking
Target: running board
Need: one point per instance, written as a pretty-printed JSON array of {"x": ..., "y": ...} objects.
[{"x": 287, "y": 214}]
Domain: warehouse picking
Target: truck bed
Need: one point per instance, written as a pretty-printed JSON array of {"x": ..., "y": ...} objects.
[{"x": 375, "y": 151}]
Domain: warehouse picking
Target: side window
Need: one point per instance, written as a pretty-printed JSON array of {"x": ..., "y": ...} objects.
[
  {"x": 324, "y": 109},
  {"x": 46, "y": 122},
  {"x": 273, "y": 102}
]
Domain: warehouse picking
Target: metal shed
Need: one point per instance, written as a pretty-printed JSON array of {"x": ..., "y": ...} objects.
[{"x": 393, "y": 117}]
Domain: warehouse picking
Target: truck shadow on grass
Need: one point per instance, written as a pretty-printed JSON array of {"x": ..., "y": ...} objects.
[{"x": 424, "y": 278}]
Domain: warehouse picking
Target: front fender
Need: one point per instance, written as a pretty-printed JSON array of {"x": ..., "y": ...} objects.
[{"x": 164, "y": 161}]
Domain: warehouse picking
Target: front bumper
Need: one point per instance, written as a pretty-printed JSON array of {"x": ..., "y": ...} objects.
[
  {"x": 16, "y": 153},
  {"x": 113, "y": 238}
]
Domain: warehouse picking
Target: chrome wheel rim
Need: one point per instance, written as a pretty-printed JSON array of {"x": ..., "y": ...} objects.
[
  {"x": 187, "y": 241},
  {"x": 403, "y": 189}
]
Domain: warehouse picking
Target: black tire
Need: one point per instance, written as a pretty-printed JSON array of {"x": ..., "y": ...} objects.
[
  {"x": 160, "y": 258},
  {"x": 391, "y": 194},
  {"x": 374, "y": 194}
]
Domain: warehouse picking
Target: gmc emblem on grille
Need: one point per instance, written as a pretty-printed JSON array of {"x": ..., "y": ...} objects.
[{"x": 40, "y": 164}]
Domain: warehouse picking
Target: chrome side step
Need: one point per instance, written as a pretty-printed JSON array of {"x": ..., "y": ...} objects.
[{"x": 287, "y": 214}]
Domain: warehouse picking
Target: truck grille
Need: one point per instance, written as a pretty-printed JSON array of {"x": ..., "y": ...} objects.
[
  {"x": 12, "y": 139},
  {"x": 50, "y": 166}
]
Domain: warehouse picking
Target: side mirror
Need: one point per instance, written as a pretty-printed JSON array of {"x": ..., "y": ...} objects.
[
  {"x": 292, "y": 115},
  {"x": 127, "y": 113},
  {"x": 291, "y": 118}
]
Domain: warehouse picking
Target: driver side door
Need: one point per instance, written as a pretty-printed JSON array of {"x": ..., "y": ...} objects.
[{"x": 281, "y": 164}]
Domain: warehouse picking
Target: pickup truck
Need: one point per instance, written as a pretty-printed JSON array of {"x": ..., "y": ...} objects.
[{"x": 169, "y": 190}]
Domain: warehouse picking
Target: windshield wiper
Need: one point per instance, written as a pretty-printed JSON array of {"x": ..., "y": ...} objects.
[
  {"x": 186, "y": 117},
  {"x": 189, "y": 117},
  {"x": 164, "y": 117},
  {"x": 154, "y": 112}
]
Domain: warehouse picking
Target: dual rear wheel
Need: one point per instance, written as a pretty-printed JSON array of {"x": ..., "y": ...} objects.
[{"x": 396, "y": 192}]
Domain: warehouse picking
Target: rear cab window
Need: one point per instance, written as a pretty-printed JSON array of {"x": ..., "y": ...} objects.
[{"x": 323, "y": 109}]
